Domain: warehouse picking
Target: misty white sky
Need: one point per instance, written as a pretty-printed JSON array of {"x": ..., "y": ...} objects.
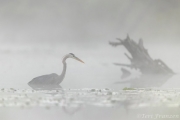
[{"x": 88, "y": 23}]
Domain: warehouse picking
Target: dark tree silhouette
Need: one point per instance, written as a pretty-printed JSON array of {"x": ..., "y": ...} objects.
[
  {"x": 140, "y": 58},
  {"x": 154, "y": 72}
]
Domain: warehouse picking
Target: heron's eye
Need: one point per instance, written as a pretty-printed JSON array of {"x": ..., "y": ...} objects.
[{"x": 72, "y": 54}]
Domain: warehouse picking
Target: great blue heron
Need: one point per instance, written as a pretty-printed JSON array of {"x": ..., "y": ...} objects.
[{"x": 52, "y": 79}]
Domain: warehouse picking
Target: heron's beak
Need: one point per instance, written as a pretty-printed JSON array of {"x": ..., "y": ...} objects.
[{"x": 78, "y": 59}]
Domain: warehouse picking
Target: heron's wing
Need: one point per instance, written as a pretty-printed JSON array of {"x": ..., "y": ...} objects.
[{"x": 44, "y": 79}]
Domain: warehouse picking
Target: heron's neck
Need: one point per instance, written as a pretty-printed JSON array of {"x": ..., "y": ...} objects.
[
  {"x": 61, "y": 77},
  {"x": 64, "y": 71}
]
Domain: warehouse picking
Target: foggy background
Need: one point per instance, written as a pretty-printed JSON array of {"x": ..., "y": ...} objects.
[{"x": 35, "y": 35}]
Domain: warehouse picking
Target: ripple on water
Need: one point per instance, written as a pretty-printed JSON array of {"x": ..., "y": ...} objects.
[{"x": 83, "y": 97}]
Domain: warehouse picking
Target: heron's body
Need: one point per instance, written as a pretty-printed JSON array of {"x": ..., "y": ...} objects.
[
  {"x": 52, "y": 79},
  {"x": 49, "y": 79}
]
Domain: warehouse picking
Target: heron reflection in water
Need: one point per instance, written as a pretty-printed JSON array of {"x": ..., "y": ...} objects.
[{"x": 52, "y": 80}]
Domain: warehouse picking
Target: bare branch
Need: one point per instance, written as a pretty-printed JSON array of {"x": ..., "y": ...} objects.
[
  {"x": 119, "y": 39},
  {"x": 120, "y": 64},
  {"x": 128, "y": 57},
  {"x": 115, "y": 43}
]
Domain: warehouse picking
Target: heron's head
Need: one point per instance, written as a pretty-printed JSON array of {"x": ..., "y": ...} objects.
[{"x": 71, "y": 55}]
